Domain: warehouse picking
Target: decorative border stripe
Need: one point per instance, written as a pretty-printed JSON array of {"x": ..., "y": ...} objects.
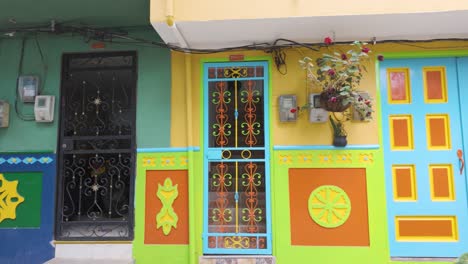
[
  {"x": 326, "y": 147},
  {"x": 157, "y": 150},
  {"x": 15, "y": 160}
]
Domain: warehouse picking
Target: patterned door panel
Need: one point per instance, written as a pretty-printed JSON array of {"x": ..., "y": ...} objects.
[
  {"x": 426, "y": 190},
  {"x": 236, "y": 191}
]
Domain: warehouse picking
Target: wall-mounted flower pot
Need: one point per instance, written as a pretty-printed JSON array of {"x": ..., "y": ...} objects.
[{"x": 340, "y": 141}]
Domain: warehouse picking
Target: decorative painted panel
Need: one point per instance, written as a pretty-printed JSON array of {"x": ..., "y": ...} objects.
[
  {"x": 435, "y": 85},
  {"x": 404, "y": 183},
  {"x": 438, "y": 131},
  {"x": 30, "y": 180},
  {"x": 401, "y": 132},
  {"x": 399, "y": 86},
  {"x": 166, "y": 210},
  {"x": 20, "y": 200},
  {"x": 441, "y": 182},
  {"x": 328, "y": 207},
  {"x": 426, "y": 228}
]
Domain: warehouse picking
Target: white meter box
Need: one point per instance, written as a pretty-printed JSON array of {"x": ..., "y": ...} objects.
[{"x": 44, "y": 108}]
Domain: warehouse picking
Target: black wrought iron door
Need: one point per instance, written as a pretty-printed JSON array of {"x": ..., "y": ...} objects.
[{"x": 96, "y": 147}]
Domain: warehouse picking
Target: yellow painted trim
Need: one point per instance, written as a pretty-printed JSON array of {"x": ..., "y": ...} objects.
[
  {"x": 414, "y": 196},
  {"x": 446, "y": 119},
  {"x": 409, "y": 119},
  {"x": 449, "y": 168},
  {"x": 452, "y": 219},
  {"x": 443, "y": 85},
  {"x": 407, "y": 86}
]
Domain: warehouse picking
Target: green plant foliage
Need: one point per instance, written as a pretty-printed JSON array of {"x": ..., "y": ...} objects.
[
  {"x": 339, "y": 74},
  {"x": 463, "y": 259}
]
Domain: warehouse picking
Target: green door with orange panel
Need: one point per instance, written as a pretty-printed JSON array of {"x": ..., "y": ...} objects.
[{"x": 423, "y": 143}]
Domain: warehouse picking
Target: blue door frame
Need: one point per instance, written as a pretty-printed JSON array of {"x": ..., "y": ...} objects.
[
  {"x": 228, "y": 189},
  {"x": 412, "y": 195}
]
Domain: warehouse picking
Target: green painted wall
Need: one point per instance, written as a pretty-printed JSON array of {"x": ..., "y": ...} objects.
[{"x": 153, "y": 89}]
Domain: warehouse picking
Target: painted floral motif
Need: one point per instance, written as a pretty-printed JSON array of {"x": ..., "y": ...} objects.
[
  {"x": 304, "y": 158},
  {"x": 366, "y": 158},
  {"x": 149, "y": 162},
  {"x": 167, "y": 218},
  {"x": 9, "y": 198},
  {"x": 325, "y": 158},
  {"x": 344, "y": 158},
  {"x": 285, "y": 159},
  {"x": 167, "y": 161},
  {"x": 183, "y": 161}
]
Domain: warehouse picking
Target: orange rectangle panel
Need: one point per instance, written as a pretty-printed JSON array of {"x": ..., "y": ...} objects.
[
  {"x": 435, "y": 85},
  {"x": 426, "y": 228},
  {"x": 166, "y": 210},
  {"x": 404, "y": 182},
  {"x": 441, "y": 182},
  {"x": 401, "y": 132},
  {"x": 398, "y": 86},
  {"x": 438, "y": 136},
  {"x": 319, "y": 200}
]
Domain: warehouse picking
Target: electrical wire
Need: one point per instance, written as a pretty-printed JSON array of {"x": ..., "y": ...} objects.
[
  {"x": 44, "y": 66},
  {"x": 18, "y": 111}
]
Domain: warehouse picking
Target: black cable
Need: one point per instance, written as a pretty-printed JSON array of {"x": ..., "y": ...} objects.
[
  {"x": 44, "y": 67},
  {"x": 20, "y": 70}
]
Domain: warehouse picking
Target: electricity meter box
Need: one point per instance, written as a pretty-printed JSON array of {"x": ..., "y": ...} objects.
[
  {"x": 4, "y": 113},
  {"x": 287, "y": 108},
  {"x": 28, "y": 85},
  {"x": 44, "y": 108},
  {"x": 316, "y": 114}
]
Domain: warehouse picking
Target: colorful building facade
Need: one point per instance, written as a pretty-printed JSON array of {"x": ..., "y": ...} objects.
[{"x": 181, "y": 157}]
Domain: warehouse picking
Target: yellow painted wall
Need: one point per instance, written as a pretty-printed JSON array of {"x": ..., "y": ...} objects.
[
  {"x": 301, "y": 132},
  {"x": 202, "y": 10}
]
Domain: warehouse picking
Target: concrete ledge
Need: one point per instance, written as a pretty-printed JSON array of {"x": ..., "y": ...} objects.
[
  {"x": 94, "y": 251},
  {"x": 88, "y": 261},
  {"x": 237, "y": 259}
]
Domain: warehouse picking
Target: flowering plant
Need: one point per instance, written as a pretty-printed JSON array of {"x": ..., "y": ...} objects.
[{"x": 338, "y": 74}]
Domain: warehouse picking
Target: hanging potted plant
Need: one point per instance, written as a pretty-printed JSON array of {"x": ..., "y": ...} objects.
[
  {"x": 338, "y": 75},
  {"x": 339, "y": 132}
]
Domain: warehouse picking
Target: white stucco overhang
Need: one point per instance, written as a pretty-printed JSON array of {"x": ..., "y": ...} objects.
[{"x": 229, "y": 33}]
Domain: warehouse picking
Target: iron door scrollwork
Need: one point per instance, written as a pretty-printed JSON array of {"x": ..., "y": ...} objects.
[{"x": 97, "y": 147}]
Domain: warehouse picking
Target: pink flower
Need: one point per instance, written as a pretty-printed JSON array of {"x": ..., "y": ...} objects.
[
  {"x": 331, "y": 72},
  {"x": 365, "y": 50},
  {"x": 380, "y": 57},
  {"x": 367, "y": 102},
  {"x": 328, "y": 40},
  {"x": 344, "y": 57},
  {"x": 333, "y": 99}
]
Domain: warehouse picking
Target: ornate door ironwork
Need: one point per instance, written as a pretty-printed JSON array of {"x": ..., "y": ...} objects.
[
  {"x": 236, "y": 149},
  {"x": 96, "y": 147}
]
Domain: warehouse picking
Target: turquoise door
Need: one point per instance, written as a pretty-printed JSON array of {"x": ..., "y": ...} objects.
[
  {"x": 236, "y": 154},
  {"x": 423, "y": 146}
]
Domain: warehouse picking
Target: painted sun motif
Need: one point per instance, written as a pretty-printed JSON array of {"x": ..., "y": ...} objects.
[
  {"x": 329, "y": 206},
  {"x": 9, "y": 198}
]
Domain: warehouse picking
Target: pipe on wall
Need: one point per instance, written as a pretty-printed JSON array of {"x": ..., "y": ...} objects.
[
  {"x": 190, "y": 156},
  {"x": 170, "y": 21}
]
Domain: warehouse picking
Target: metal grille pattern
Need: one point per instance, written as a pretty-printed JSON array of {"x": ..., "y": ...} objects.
[
  {"x": 97, "y": 143},
  {"x": 236, "y": 216}
]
